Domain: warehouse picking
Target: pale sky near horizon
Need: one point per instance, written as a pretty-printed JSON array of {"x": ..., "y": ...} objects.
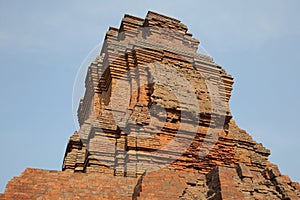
[{"x": 42, "y": 45}]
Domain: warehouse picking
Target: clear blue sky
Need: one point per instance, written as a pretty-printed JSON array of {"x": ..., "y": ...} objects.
[{"x": 42, "y": 44}]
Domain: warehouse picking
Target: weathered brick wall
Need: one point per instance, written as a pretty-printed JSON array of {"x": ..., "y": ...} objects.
[
  {"x": 46, "y": 184},
  {"x": 220, "y": 183}
]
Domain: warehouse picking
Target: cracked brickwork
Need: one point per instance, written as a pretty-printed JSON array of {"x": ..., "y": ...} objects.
[{"x": 113, "y": 153}]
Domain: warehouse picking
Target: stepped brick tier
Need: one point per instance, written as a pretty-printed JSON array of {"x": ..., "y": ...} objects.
[{"x": 155, "y": 124}]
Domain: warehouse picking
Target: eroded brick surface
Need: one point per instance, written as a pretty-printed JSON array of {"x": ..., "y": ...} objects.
[
  {"x": 113, "y": 154},
  {"x": 46, "y": 184}
]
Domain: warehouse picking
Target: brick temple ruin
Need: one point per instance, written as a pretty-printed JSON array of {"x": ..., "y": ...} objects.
[{"x": 155, "y": 124}]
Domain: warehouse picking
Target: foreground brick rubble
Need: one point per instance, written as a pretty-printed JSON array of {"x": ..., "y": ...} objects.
[{"x": 108, "y": 159}]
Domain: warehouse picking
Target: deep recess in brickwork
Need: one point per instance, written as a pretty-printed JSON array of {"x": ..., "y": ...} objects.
[{"x": 128, "y": 152}]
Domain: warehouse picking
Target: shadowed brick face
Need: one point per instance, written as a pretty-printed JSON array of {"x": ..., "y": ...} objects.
[{"x": 128, "y": 115}]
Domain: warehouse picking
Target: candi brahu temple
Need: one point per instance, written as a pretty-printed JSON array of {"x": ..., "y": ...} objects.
[{"x": 155, "y": 123}]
